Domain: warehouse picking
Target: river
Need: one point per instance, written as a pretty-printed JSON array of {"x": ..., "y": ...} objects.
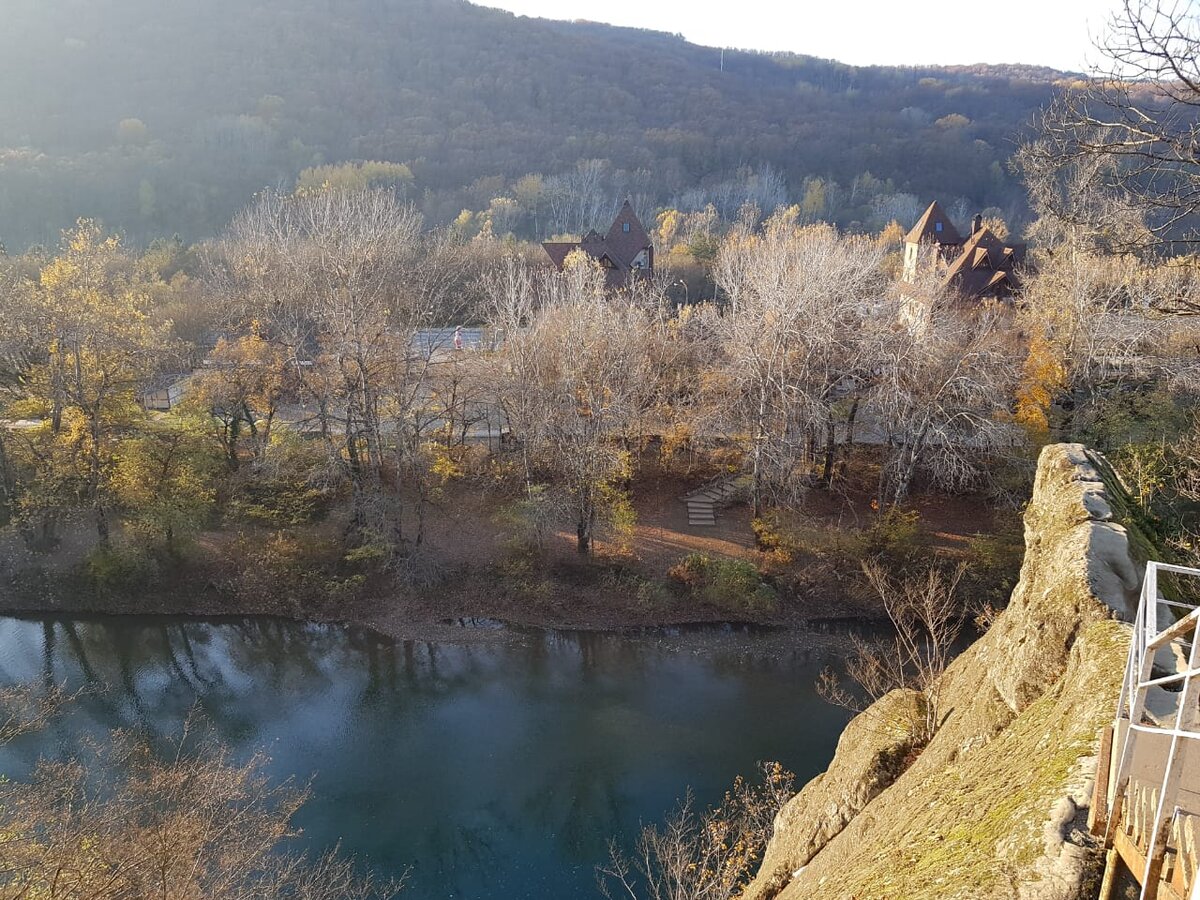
[{"x": 497, "y": 767}]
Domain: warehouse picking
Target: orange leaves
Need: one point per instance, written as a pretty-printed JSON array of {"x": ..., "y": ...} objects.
[{"x": 1043, "y": 376}]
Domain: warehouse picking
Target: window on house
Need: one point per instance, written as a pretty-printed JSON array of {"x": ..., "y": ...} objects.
[
  {"x": 625, "y": 227},
  {"x": 937, "y": 226}
]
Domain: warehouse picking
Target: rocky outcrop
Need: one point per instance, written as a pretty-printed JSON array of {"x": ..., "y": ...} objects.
[{"x": 994, "y": 806}]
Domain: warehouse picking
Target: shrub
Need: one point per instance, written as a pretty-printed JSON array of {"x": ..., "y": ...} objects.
[
  {"x": 653, "y": 595},
  {"x": 521, "y": 573},
  {"x": 647, "y": 594},
  {"x": 526, "y": 521},
  {"x": 279, "y": 503},
  {"x": 731, "y": 585},
  {"x": 994, "y": 564},
  {"x": 896, "y": 535},
  {"x": 770, "y": 538},
  {"x": 114, "y": 568}
]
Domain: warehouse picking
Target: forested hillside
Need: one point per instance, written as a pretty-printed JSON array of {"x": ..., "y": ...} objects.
[{"x": 166, "y": 117}]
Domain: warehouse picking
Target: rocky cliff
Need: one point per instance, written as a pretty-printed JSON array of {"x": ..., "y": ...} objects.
[{"x": 996, "y": 804}]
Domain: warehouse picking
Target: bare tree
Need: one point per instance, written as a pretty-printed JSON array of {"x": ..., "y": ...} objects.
[
  {"x": 1115, "y": 158},
  {"x": 343, "y": 283},
  {"x": 191, "y": 823},
  {"x": 572, "y": 378},
  {"x": 702, "y": 855},
  {"x": 927, "y": 619},
  {"x": 1093, "y": 320},
  {"x": 940, "y": 386},
  {"x": 801, "y": 301}
]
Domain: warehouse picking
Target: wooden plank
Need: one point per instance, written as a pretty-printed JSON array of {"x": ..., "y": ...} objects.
[
  {"x": 1098, "y": 814},
  {"x": 1136, "y": 863},
  {"x": 1178, "y": 630}
]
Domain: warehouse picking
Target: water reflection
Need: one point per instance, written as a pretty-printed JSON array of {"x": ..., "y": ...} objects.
[{"x": 495, "y": 769}]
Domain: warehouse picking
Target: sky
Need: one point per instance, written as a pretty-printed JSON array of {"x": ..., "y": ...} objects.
[{"x": 1053, "y": 33}]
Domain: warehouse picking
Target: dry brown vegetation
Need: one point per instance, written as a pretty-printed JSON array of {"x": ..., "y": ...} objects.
[{"x": 186, "y": 821}]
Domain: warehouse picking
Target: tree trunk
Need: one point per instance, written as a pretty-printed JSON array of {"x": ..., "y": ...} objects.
[
  {"x": 102, "y": 530},
  {"x": 759, "y": 437},
  {"x": 232, "y": 431},
  {"x": 8, "y": 493},
  {"x": 584, "y": 528},
  {"x": 830, "y": 450},
  {"x": 95, "y": 477},
  {"x": 908, "y": 465},
  {"x": 881, "y": 487}
]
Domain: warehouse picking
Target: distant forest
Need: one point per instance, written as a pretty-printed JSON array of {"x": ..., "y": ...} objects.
[{"x": 160, "y": 118}]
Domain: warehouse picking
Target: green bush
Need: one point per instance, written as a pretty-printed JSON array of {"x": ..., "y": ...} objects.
[
  {"x": 112, "y": 568},
  {"x": 731, "y": 585},
  {"x": 280, "y": 504},
  {"x": 994, "y": 564},
  {"x": 896, "y": 535},
  {"x": 647, "y": 594},
  {"x": 525, "y": 522},
  {"x": 653, "y": 595}
]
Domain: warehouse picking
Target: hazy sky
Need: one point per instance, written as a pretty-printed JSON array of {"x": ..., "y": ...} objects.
[{"x": 1041, "y": 32}]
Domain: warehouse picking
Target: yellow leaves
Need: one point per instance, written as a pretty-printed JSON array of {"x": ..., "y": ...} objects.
[
  {"x": 444, "y": 465},
  {"x": 667, "y": 227},
  {"x": 1043, "y": 376},
  {"x": 676, "y": 439},
  {"x": 892, "y": 234}
]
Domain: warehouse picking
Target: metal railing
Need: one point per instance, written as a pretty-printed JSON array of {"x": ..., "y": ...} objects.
[{"x": 1163, "y": 630}]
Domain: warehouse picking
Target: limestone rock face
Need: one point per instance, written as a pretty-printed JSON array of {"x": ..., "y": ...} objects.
[
  {"x": 994, "y": 806},
  {"x": 869, "y": 755}
]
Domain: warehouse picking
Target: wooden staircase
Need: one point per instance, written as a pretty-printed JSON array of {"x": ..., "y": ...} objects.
[{"x": 702, "y": 503}]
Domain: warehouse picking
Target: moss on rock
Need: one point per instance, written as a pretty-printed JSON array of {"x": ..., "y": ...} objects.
[{"x": 993, "y": 806}]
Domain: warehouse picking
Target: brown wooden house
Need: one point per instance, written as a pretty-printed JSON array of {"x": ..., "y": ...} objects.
[
  {"x": 982, "y": 267},
  {"x": 625, "y": 252}
]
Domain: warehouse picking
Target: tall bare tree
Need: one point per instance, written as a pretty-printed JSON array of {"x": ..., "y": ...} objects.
[
  {"x": 1093, "y": 327},
  {"x": 1115, "y": 158},
  {"x": 941, "y": 390},
  {"x": 344, "y": 282},
  {"x": 927, "y": 618},
  {"x": 801, "y": 302},
  {"x": 573, "y": 377}
]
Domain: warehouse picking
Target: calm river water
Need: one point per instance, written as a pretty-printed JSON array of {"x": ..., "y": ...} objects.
[{"x": 494, "y": 769}]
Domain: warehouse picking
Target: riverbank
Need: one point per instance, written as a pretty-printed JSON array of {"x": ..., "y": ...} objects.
[
  {"x": 798, "y": 571},
  {"x": 468, "y": 609}
]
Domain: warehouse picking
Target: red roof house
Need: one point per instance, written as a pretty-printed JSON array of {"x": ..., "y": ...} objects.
[
  {"x": 626, "y": 252},
  {"x": 983, "y": 267}
]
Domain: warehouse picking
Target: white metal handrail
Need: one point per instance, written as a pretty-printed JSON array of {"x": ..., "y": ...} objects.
[{"x": 1148, "y": 638}]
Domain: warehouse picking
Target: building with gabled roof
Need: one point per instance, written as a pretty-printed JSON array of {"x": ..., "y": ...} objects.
[
  {"x": 983, "y": 267},
  {"x": 934, "y": 227},
  {"x": 626, "y": 251}
]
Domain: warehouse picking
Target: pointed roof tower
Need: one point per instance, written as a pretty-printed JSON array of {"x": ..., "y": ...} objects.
[
  {"x": 934, "y": 226},
  {"x": 627, "y": 238}
]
